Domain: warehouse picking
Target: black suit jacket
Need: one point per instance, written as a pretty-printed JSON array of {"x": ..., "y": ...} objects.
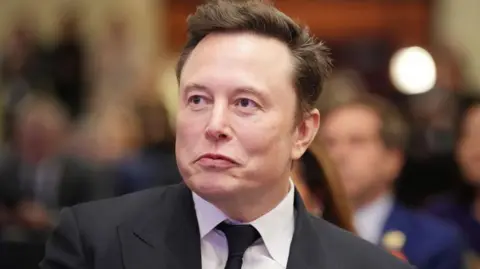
[{"x": 157, "y": 229}]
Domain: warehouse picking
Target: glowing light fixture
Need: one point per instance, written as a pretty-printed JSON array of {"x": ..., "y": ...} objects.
[{"x": 413, "y": 71}]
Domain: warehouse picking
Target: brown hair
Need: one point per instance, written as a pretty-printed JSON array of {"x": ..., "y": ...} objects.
[
  {"x": 311, "y": 56},
  {"x": 323, "y": 185},
  {"x": 394, "y": 131}
]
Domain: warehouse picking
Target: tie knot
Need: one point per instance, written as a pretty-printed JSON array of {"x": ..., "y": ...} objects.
[{"x": 239, "y": 237}]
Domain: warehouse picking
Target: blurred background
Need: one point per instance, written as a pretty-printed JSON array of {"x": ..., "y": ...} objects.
[{"x": 88, "y": 95}]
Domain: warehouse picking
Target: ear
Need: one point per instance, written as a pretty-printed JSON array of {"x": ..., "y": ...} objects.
[
  {"x": 394, "y": 163},
  {"x": 305, "y": 132}
]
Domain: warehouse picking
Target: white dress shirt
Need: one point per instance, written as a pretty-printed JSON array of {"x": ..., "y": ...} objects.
[
  {"x": 270, "y": 252},
  {"x": 370, "y": 219}
]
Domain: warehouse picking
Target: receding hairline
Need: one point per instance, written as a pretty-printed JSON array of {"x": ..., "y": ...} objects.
[{"x": 247, "y": 33}]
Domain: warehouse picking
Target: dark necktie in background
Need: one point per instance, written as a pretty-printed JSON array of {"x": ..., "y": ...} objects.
[{"x": 239, "y": 238}]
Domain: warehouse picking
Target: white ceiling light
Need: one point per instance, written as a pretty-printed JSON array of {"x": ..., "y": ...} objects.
[{"x": 413, "y": 71}]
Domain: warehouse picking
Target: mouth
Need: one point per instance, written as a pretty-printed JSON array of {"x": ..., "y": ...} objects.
[
  {"x": 217, "y": 157},
  {"x": 216, "y": 161}
]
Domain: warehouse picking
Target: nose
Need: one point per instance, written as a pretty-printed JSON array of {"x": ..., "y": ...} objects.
[{"x": 218, "y": 128}]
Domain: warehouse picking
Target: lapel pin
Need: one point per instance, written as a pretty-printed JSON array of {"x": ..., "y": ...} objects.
[{"x": 394, "y": 240}]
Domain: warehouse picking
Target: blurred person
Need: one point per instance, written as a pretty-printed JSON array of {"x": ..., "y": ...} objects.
[
  {"x": 366, "y": 138},
  {"x": 108, "y": 133},
  {"x": 68, "y": 58},
  {"x": 319, "y": 185},
  {"x": 341, "y": 86},
  {"x": 430, "y": 167},
  {"x": 106, "y": 137},
  {"x": 154, "y": 165},
  {"x": 23, "y": 68},
  {"x": 118, "y": 68},
  {"x": 462, "y": 205},
  {"x": 249, "y": 77},
  {"x": 36, "y": 176}
]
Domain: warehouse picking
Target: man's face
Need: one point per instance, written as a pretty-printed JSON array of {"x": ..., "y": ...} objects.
[
  {"x": 468, "y": 149},
  {"x": 352, "y": 137},
  {"x": 235, "y": 126},
  {"x": 39, "y": 134}
]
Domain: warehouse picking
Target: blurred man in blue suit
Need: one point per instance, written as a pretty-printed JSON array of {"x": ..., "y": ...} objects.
[{"x": 366, "y": 138}]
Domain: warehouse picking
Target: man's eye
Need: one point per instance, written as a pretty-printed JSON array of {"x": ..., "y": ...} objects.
[
  {"x": 195, "y": 99},
  {"x": 246, "y": 103}
]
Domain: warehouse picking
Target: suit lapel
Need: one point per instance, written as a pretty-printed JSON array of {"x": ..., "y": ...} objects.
[
  {"x": 395, "y": 229},
  {"x": 306, "y": 249},
  {"x": 165, "y": 236}
]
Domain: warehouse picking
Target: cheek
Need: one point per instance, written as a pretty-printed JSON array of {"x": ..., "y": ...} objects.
[
  {"x": 188, "y": 133},
  {"x": 361, "y": 166},
  {"x": 263, "y": 138},
  {"x": 189, "y": 127}
]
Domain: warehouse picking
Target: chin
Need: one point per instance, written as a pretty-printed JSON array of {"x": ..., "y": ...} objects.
[{"x": 212, "y": 187}]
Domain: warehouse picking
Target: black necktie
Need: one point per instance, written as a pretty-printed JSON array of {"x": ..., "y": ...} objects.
[{"x": 239, "y": 238}]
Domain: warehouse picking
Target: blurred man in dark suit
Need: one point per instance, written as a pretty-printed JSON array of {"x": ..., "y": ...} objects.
[
  {"x": 37, "y": 178},
  {"x": 155, "y": 164},
  {"x": 366, "y": 137},
  {"x": 249, "y": 77}
]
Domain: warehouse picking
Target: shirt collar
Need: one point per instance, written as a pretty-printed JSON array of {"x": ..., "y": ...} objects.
[
  {"x": 275, "y": 227},
  {"x": 369, "y": 220}
]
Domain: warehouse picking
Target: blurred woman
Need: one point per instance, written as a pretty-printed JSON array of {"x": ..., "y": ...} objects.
[
  {"x": 317, "y": 181},
  {"x": 462, "y": 206}
]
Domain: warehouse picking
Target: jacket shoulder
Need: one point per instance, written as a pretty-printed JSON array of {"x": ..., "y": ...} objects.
[
  {"x": 106, "y": 214},
  {"x": 436, "y": 234}
]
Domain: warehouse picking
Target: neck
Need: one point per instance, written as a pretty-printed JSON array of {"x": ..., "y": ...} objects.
[
  {"x": 368, "y": 199},
  {"x": 248, "y": 208}
]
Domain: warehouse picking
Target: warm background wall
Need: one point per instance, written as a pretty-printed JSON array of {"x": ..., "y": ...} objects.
[
  {"x": 142, "y": 15},
  {"x": 457, "y": 22},
  {"x": 46, "y": 14}
]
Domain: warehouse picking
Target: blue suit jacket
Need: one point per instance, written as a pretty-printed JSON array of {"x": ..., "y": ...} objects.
[{"x": 430, "y": 243}]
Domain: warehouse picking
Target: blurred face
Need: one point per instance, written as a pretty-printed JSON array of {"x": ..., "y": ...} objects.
[
  {"x": 352, "y": 137},
  {"x": 236, "y": 136},
  {"x": 468, "y": 149},
  {"x": 40, "y": 134}
]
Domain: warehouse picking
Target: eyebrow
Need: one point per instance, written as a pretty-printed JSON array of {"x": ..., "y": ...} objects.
[
  {"x": 248, "y": 90},
  {"x": 194, "y": 86}
]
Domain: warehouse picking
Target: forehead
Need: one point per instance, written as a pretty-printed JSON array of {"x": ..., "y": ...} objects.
[
  {"x": 235, "y": 59},
  {"x": 352, "y": 120}
]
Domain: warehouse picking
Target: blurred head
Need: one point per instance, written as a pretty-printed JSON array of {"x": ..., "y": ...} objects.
[
  {"x": 113, "y": 132},
  {"x": 155, "y": 124},
  {"x": 41, "y": 127},
  {"x": 366, "y": 138},
  {"x": 69, "y": 27},
  {"x": 248, "y": 77},
  {"x": 468, "y": 147}
]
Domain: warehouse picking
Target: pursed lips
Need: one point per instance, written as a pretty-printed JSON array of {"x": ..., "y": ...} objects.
[
  {"x": 216, "y": 161},
  {"x": 216, "y": 157}
]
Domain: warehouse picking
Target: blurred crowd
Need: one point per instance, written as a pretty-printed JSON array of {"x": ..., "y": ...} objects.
[{"x": 75, "y": 129}]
